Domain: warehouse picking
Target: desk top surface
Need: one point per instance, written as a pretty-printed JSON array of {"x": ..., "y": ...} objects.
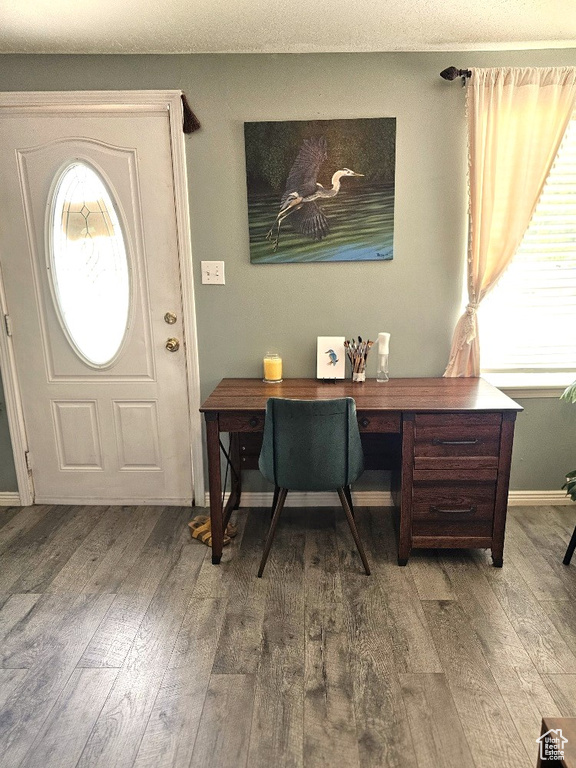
[{"x": 424, "y": 395}]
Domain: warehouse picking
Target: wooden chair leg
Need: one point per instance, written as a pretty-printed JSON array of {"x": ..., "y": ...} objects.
[
  {"x": 348, "y": 492},
  {"x": 270, "y": 538},
  {"x": 274, "y": 500},
  {"x": 570, "y": 550},
  {"x": 352, "y": 524}
]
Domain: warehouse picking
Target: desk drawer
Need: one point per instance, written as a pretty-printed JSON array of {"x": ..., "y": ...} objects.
[
  {"x": 249, "y": 444},
  {"x": 241, "y": 422},
  {"x": 448, "y": 503},
  {"x": 456, "y": 440},
  {"x": 371, "y": 421}
]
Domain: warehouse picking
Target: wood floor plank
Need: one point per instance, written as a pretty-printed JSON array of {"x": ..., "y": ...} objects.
[
  {"x": 128, "y": 545},
  {"x": 18, "y": 525},
  {"x": 61, "y": 740},
  {"x": 7, "y": 514},
  {"x": 547, "y": 532},
  {"x": 545, "y": 645},
  {"x": 382, "y": 724},
  {"x": 238, "y": 651},
  {"x": 30, "y": 703},
  {"x": 113, "y": 639},
  {"x": 277, "y": 724},
  {"x": 216, "y": 582},
  {"x": 432, "y": 582},
  {"x": 224, "y": 734},
  {"x": 563, "y": 616},
  {"x": 38, "y": 571},
  {"x": 116, "y": 737},
  {"x": 565, "y": 516},
  {"x": 437, "y": 733},
  {"x": 35, "y": 627},
  {"x": 516, "y": 675},
  {"x": 540, "y": 577},
  {"x": 412, "y": 642},
  {"x": 15, "y": 611},
  {"x": 329, "y": 718},
  {"x": 85, "y": 559},
  {"x": 136, "y": 583},
  {"x": 31, "y": 544},
  {"x": 10, "y": 680},
  {"x": 171, "y": 730},
  {"x": 487, "y": 724},
  {"x": 563, "y": 691}
]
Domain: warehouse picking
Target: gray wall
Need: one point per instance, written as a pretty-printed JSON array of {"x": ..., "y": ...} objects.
[{"x": 416, "y": 297}]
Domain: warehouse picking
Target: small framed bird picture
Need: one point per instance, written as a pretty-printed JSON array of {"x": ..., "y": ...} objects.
[{"x": 330, "y": 357}]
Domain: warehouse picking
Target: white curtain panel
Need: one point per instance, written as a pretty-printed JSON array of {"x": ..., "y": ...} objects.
[{"x": 516, "y": 120}]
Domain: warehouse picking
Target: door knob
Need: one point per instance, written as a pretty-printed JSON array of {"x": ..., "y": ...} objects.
[{"x": 172, "y": 345}]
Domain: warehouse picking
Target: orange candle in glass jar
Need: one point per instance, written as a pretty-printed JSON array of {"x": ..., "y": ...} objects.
[{"x": 272, "y": 367}]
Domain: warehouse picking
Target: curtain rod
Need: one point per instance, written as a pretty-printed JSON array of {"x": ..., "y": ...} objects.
[{"x": 451, "y": 73}]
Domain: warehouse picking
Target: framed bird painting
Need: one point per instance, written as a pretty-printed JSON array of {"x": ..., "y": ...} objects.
[
  {"x": 330, "y": 357},
  {"x": 321, "y": 190}
]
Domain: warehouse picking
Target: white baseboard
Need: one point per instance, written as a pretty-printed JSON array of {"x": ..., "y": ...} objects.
[
  {"x": 9, "y": 499},
  {"x": 316, "y": 499},
  {"x": 384, "y": 499},
  {"x": 124, "y": 502},
  {"x": 303, "y": 499},
  {"x": 538, "y": 498}
]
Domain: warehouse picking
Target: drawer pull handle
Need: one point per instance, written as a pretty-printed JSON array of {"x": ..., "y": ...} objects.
[
  {"x": 444, "y": 511},
  {"x": 364, "y": 422},
  {"x": 253, "y": 421},
  {"x": 438, "y": 441}
]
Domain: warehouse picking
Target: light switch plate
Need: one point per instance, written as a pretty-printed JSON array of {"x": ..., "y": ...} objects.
[{"x": 212, "y": 272}]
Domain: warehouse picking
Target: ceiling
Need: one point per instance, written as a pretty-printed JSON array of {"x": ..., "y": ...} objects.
[{"x": 279, "y": 26}]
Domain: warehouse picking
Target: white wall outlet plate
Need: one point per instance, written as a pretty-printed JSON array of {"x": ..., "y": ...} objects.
[{"x": 212, "y": 272}]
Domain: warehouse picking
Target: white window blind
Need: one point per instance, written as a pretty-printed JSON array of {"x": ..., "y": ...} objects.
[{"x": 528, "y": 322}]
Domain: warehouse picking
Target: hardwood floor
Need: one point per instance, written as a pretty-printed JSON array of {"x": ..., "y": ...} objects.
[{"x": 121, "y": 645}]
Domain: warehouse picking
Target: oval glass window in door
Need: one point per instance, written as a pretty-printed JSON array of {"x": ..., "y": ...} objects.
[{"x": 89, "y": 265}]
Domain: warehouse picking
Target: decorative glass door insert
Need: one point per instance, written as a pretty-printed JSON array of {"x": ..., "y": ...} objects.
[{"x": 89, "y": 266}]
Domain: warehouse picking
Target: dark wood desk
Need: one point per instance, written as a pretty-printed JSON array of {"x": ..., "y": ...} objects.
[{"x": 448, "y": 443}]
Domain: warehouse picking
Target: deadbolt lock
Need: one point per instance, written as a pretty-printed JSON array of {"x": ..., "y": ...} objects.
[
  {"x": 172, "y": 345},
  {"x": 170, "y": 318}
]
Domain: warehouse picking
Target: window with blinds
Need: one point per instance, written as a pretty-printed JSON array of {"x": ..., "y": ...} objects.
[{"x": 528, "y": 322}]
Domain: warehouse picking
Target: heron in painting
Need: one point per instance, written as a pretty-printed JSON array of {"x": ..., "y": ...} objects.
[{"x": 303, "y": 190}]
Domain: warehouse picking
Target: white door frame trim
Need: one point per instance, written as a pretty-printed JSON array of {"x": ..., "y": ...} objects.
[
  {"x": 14, "y": 407},
  {"x": 58, "y": 102}
]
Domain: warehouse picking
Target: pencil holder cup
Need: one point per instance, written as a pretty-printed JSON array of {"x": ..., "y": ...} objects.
[{"x": 357, "y": 352}]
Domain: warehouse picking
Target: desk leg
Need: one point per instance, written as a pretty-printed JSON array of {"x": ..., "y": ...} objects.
[
  {"x": 236, "y": 477},
  {"x": 406, "y": 480},
  {"x": 215, "y": 486},
  {"x": 501, "y": 502}
]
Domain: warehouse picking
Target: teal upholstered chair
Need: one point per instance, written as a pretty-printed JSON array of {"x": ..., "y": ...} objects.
[{"x": 311, "y": 445}]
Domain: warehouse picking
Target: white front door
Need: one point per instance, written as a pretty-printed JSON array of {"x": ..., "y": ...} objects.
[{"x": 89, "y": 251}]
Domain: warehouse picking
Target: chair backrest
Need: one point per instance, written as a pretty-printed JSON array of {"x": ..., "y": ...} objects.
[{"x": 311, "y": 445}]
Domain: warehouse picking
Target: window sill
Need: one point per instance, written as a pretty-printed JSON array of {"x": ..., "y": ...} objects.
[{"x": 530, "y": 385}]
